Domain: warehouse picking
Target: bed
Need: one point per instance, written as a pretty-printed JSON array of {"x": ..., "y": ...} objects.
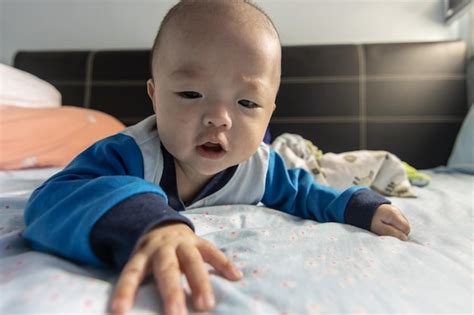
[{"x": 373, "y": 96}]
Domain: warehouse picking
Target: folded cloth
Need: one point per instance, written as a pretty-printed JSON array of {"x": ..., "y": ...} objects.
[{"x": 382, "y": 171}]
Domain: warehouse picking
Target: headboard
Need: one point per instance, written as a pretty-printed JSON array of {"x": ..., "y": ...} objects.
[{"x": 407, "y": 98}]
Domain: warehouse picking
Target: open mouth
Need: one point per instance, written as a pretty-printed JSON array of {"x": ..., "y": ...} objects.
[
  {"x": 209, "y": 146},
  {"x": 211, "y": 150}
]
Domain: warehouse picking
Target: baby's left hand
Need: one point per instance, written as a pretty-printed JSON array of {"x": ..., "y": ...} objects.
[{"x": 389, "y": 220}]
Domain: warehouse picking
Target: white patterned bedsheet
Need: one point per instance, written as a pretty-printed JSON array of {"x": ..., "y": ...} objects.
[{"x": 290, "y": 266}]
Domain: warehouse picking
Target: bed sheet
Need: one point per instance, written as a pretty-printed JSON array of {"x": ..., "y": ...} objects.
[{"x": 291, "y": 266}]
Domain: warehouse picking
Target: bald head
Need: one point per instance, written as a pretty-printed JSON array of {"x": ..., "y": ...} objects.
[{"x": 189, "y": 16}]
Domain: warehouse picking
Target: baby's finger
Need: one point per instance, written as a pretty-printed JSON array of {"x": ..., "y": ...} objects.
[
  {"x": 167, "y": 274},
  {"x": 198, "y": 278},
  {"x": 219, "y": 261},
  {"x": 129, "y": 281},
  {"x": 399, "y": 221},
  {"x": 405, "y": 224},
  {"x": 386, "y": 229}
]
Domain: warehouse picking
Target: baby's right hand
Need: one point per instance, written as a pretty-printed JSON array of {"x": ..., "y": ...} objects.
[{"x": 166, "y": 252}]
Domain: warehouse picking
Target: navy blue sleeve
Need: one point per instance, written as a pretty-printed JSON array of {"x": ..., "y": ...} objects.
[
  {"x": 115, "y": 235},
  {"x": 361, "y": 208}
]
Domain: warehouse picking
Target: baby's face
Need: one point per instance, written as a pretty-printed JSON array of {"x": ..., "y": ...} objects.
[{"x": 214, "y": 93}]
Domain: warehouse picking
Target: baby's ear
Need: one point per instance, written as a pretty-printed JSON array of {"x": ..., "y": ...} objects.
[{"x": 150, "y": 88}]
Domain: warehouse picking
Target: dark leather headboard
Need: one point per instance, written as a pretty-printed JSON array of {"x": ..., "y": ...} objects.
[{"x": 408, "y": 98}]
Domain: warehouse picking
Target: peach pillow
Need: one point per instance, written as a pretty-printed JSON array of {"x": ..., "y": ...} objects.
[{"x": 49, "y": 137}]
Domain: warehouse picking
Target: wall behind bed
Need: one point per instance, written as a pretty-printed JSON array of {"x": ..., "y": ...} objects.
[{"x": 131, "y": 24}]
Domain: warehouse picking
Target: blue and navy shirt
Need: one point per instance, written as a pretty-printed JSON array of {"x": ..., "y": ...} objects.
[{"x": 95, "y": 210}]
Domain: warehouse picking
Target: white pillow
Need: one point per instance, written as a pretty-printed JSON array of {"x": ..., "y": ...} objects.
[{"x": 20, "y": 88}]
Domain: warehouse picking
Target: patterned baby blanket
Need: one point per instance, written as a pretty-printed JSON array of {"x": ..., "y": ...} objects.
[{"x": 382, "y": 171}]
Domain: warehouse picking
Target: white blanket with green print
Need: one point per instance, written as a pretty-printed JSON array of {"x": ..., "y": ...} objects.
[{"x": 382, "y": 171}]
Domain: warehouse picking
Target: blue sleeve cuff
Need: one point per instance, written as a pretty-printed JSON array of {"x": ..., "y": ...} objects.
[
  {"x": 116, "y": 233},
  {"x": 361, "y": 207}
]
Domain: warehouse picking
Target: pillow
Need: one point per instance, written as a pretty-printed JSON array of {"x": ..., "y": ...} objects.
[
  {"x": 49, "y": 137},
  {"x": 20, "y": 88},
  {"x": 470, "y": 80},
  {"x": 462, "y": 156}
]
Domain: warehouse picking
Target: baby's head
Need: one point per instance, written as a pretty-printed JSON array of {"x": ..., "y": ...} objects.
[{"x": 215, "y": 76}]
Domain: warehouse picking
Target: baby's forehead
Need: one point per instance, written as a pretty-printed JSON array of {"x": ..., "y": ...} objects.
[{"x": 201, "y": 49}]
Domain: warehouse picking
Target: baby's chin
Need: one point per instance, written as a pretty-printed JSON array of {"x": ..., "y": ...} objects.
[{"x": 212, "y": 167}]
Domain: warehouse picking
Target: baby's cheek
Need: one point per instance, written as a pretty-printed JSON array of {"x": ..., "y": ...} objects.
[{"x": 252, "y": 144}]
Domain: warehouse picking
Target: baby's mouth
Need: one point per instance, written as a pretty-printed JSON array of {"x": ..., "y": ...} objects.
[
  {"x": 215, "y": 147},
  {"x": 211, "y": 150}
]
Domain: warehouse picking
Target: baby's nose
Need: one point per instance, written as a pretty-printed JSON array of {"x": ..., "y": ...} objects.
[{"x": 217, "y": 116}]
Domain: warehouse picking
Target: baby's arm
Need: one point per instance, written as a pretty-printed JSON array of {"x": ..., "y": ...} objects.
[
  {"x": 389, "y": 220},
  {"x": 81, "y": 213},
  {"x": 294, "y": 191},
  {"x": 165, "y": 252},
  {"x": 61, "y": 213}
]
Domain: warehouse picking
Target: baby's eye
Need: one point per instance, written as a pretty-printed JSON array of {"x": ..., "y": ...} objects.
[
  {"x": 189, "y": 94},
  {"x": 248, "y": 104}
]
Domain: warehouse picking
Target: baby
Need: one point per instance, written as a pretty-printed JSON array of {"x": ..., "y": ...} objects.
[{"x": 215, "y": 76}]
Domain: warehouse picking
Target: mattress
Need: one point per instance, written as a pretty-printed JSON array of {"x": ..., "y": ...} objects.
[{"x": 290, "y": 265}]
